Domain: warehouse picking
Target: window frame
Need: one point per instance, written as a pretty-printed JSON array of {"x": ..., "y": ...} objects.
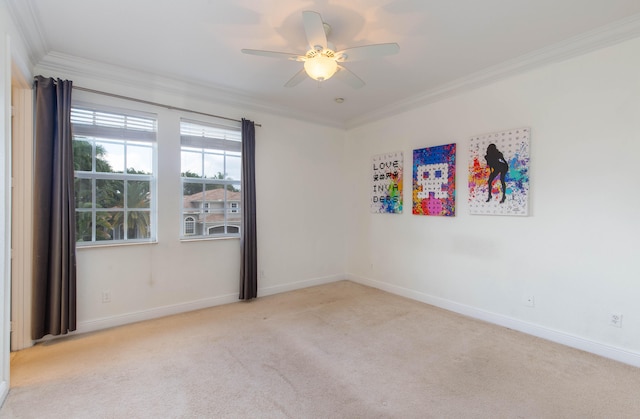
[
  {"x": 223, "y": 140},
  {"x": 94, "y": 134}
]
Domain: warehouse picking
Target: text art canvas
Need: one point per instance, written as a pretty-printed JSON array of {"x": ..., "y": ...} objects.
[
  {"x": 434, "y": 180},
  {"x": 499, "y": 173},
  {"x": 386, "y": 183}
]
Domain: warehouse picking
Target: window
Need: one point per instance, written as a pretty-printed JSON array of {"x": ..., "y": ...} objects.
[
  {"x": 220, "y": 230},
  {"x": 211, "y": 170},
  {"x": 114, "y": 155},
  {"x": 189, "y": 226}
]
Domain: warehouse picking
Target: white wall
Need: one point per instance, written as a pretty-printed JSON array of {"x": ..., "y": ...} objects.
[
  {"x": 300, "y": 232},
  {"x": 577, "y": 252},
  {"x": 301, "y": 200}
]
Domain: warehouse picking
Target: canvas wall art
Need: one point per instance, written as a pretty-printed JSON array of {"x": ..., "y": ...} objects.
[
  {"x": 499, "y": 173},
  {"x": 386, "y": 183},
  {"x": 434, "y": 180}
]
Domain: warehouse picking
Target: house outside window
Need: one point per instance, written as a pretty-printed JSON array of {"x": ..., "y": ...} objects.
[
  {"x": 114, "y": 158},
  {"x": 211, "y": 179}
]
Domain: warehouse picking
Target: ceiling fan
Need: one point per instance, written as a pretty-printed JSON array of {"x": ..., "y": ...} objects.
[{"x": 322, "y": 61}]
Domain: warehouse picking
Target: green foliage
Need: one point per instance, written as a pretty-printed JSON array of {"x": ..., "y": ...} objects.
[
  {"x": 109, "y": 195},
  {"x": 191, "y": 188},
  {"x": 189, "y": 173},
  {"x": 83, "y": 156}
]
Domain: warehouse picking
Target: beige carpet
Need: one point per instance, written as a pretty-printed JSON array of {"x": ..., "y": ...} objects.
[{"x": 335, "y": 351}]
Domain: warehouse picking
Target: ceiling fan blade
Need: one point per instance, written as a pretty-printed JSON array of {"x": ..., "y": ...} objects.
[
  {"x": 367, "y": 51},
  {"x": 273, "y": 54},
  {"x": 348, "y": 77},
  {"x": 296, "y": 79},
  {"x": 314, "y": 28}
]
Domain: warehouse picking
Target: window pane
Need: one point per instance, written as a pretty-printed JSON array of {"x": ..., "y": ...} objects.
[
  {"x": 109, "y": 193},
  {"x": 234, "y": 167},
  {"x": 215, "y": 186},
  {"x": 214, "y": 165},
  {"x": 192, "y": 193},
  {"x": 191, "y": 163},
  {"x": 111, "y": 156},
  {"x": 235, "y": 189},
  {"x": 138, "y": 223},
  {"x": 234, "y": 218},
  {"x": 109, "y": 225},
  {"x": 83, "y": 226},
  {"x": 214, "y": 217},
  {"x": 82, "y": 155},
  {"x": 83, "y": 193},
  {"x": 138, "y": 195},
  {"x": 139, "y": 159}
]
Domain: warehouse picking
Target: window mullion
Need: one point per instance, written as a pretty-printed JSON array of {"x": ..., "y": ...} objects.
[
  {"x": 93, "y": 210},
  {"x": 125, "y": 207},
  {"x": 125, "y": 190}
]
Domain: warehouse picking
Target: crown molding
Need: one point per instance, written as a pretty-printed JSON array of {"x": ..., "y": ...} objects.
[
  {"x": 602, "y": 37},
  {"x": 128, "y": 82},
  {"x": 28, "y": 25}
]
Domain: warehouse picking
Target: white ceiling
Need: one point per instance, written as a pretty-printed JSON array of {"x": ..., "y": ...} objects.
[{"x": 444, "y": 44}]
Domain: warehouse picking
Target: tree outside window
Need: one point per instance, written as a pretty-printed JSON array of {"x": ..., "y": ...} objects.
[{"x": 114, "y": 177}]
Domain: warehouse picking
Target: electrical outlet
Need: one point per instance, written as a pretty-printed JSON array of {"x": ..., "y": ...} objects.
[
  {"x": 615, "y": 320},
  {"x": 106, "y": 297},
  {"x": 529, "y": 301}
]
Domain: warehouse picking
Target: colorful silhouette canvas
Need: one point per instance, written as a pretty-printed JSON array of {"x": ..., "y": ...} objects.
[{"x": 499, "y": 173}]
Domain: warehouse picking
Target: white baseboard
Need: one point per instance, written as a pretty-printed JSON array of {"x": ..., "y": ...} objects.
[
  {"x": 598, "y": 348},
  {"x": 4, "y": 390},
  {"x": 153, "y": 313},
  {"x": 277, "y": 289},
  {"x": 122, "y": 319}
]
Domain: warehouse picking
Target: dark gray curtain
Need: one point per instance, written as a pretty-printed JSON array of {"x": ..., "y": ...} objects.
[
  {"x": 248, "y": 239},
  {"x": 54, "y": 258}
]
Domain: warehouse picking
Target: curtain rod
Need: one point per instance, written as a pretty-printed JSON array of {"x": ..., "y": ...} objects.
[{"x": 84, "y": 89}]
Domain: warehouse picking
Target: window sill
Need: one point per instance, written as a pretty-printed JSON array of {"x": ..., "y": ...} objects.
[
  {"x": 208, "y": 238},
  {"x": 120, "y": 244}
]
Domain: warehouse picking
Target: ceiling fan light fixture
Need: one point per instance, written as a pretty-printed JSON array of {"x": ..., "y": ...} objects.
[
  {"x": 322, "y": 60},
  {"x": 320, "y": 67}
]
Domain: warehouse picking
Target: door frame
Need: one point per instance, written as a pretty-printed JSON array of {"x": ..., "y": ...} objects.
[
  {"x": 22, "y": 212},
  {"x": 5, "y": 215}
]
